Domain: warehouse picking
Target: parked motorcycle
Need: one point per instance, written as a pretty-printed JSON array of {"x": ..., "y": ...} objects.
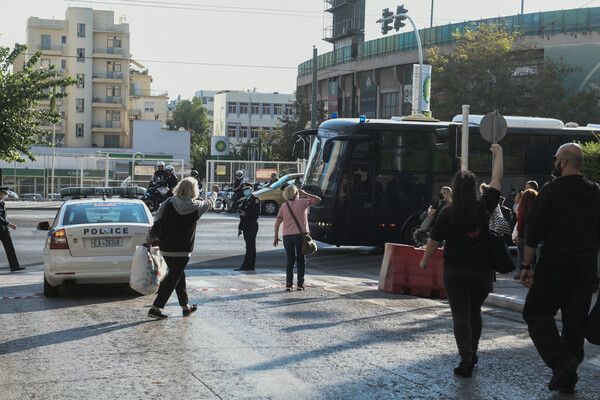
[
  {"x": 224, "y": 200},
  {"x": 155, "y": 195}
]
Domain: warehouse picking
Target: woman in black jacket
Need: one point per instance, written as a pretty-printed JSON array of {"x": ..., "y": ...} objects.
[
  {"x": 467, "y": 274},
  {"x": 177, "y": 218}
]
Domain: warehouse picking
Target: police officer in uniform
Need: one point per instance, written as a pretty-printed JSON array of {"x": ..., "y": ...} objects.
[
  {"x": 5, "y": 234},
  {"x": 249, "y": 210}
]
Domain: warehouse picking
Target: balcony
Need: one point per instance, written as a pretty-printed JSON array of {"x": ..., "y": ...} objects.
[
  {"x": 147, "y": 93},
  {"x": 109, "y": 52},
  {"x": 107, "y": 77},
  {"x": 48, "y": 126},
  {"x": 106, "y": 101},
  {"x": 52, "y": 50},
  {"x": 107, "y": 126}
]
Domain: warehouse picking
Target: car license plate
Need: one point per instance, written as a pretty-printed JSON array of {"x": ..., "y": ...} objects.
[{"x": 114, "y": 242}]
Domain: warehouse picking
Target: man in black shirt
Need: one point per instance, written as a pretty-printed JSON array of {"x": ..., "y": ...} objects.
[{"x": 566, "y": 219}]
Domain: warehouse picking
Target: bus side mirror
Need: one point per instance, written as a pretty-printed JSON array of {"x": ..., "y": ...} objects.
[{"x": 327, "y": 152}]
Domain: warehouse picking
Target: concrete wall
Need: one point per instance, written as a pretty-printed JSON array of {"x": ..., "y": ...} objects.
[{"x": 148, "y": 137}]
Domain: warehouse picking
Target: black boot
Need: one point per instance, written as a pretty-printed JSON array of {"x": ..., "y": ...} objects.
[{"x": 464, "y": 369}]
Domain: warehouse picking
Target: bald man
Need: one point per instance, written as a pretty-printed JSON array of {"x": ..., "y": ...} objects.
[{"x": 565, "y": 219}]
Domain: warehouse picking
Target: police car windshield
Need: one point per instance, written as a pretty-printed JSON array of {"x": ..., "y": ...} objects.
[{"x": 104, "y": 212}]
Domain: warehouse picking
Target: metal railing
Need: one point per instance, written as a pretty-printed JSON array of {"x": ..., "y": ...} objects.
[
  {"x": 108, "y": 75},
  {"x": 108, "y": 100},
  {"x": 107, "y": 124}
]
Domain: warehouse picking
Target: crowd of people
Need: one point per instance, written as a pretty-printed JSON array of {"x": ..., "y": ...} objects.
[{"x": 557, "y": 232}]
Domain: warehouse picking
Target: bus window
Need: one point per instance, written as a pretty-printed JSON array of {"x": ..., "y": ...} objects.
[
  {"x": 325, "y": 175},
  {"x": 403, "y": 151},
  {"x": 480, "y": 157},
  {"x": 363, "y": 150}
]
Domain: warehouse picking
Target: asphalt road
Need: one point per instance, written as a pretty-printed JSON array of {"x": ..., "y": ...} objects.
[{"x": 340, "y": 339}]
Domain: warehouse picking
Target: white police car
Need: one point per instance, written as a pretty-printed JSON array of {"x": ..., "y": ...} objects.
[{"x": 94, "y": 236}]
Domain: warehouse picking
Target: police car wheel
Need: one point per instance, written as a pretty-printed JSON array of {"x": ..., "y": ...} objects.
[
  {"x": 49, "y": 290},
  {"x": 270, "y": 208}
]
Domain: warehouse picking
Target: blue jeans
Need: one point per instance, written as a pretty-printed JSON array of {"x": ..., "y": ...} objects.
[{"x": 293, "y": 249}]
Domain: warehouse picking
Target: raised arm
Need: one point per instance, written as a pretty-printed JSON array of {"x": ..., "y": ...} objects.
[{"x": 498, "y": 170}]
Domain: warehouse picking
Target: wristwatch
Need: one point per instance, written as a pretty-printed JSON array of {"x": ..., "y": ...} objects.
[{"x": 527, "y": 267}]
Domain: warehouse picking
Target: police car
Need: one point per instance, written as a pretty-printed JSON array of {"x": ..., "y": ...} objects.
[{"x": 94, "y": 236}]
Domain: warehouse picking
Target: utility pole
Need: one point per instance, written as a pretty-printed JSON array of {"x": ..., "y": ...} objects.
[{"x": 313, "y": 117}]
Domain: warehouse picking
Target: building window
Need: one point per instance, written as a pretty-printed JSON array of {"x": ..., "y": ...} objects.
[
  {"x": 78, "y": 130},
  {"x": 114, "y": 42},
  {"x": 45, "y": 45},
  {"x": 243, "y": 108},
  {"x": 113, "y": 119},
  {"x": 63, "y": 40},
  {"x": 289, "y": 110},
  {"x": 80, "y": 30},
  {"x": 390, "y": 105},
  {"x": 80, "y": 81},
  {"x": 45, "y": 62},
  {"x": 113, "y": 69},
  {"x": 79, "y": 105},
  {"x": 115, "y": 91},
  {"x": 231, "y": 130},
  {"x": 231, "y": 108},
  {"x": 277, "y": 109},
  {"x": 256, "y": 109},
  {"x": 243, "y": 131},
  {"x": 255, "y": 133},
  {"x": 80, "y": 54},
  {"x": 112, "y": 141},
  {"x": 149, "y": 107},
  {"x": 266, "y": 109},
  {"x": 210, "y": 113},
  {"x": 63, "y": 64}
]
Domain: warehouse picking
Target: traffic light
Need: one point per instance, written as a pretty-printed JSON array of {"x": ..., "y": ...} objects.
[
  {"x": 446, "y": 141},
  {"x": 386, "y": 20},
  {"x": 399, "y": 18}
]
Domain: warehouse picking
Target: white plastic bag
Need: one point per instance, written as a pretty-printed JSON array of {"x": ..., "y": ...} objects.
[
  {"x": 162, "y": 264},
  {"x": 145, "y": 272}
]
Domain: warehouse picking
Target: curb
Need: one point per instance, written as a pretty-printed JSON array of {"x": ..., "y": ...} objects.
[{"x": 511, "y": 303}]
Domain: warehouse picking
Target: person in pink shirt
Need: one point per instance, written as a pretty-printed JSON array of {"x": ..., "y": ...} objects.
[{"x": 299, "y": 201}]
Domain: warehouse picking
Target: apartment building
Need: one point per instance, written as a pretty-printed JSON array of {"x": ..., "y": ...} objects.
[
  {"x": 88, "y": 46},
  {"x": 208, "y": 101},
  {"x": 145, "y": 103},
  {"x": 241, "y": 116}
]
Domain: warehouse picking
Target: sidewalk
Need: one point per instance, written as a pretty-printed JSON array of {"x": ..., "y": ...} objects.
[{"x": 508, "y": 293}]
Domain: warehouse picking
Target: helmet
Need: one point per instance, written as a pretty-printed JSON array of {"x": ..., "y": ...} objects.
[
  {"x": 194, "y": 173},
  {"x": 169, "y": 168},
  {"x": 239, "y": 173},
  {"x": 160, "y": 164}
]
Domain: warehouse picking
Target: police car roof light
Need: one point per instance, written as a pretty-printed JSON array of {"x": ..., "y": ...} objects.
[
  {"x": 363, "y": 118},
  {"x": 122, "y": 191}
]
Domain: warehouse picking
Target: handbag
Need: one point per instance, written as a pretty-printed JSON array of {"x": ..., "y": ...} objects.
[
  {"x": 502, "y": 260},
  {"x": 308, "y": 244},
  {"x": 591, "y": 329},
  {"x": 501, "y": 225}
]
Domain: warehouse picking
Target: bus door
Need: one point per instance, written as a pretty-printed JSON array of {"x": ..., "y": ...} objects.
[{"x": 360, "y": 206}]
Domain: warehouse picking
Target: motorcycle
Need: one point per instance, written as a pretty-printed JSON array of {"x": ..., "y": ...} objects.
[
  {"x": 224, "y": 200},
  {"x": 155, "y": 195}
]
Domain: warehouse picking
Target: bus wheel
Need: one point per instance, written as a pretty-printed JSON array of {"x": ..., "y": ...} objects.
[
  {"x": 270, "y": 208},
  {"x": 412, "y": 226}
]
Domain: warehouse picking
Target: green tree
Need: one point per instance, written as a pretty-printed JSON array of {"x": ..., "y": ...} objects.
[
  {"x": 591, "y": 160},
  {"x": 291, "y": 123},
  {"x": 20, "y": 94},
  {"x": 191, "y": 115},
  {"x": 489, "y": 68}
]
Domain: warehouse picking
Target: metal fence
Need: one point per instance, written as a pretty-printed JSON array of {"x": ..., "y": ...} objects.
[{"x": 222, "y": 173}]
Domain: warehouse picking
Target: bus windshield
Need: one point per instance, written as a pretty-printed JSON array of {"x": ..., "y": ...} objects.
[{"x": 324, "y": 175}]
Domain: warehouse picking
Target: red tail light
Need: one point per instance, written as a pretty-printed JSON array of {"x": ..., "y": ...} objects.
[{"x": 58, "y": 241}]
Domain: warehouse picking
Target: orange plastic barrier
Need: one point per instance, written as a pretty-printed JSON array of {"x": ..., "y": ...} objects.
[{"x": 400, "y": 272}]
